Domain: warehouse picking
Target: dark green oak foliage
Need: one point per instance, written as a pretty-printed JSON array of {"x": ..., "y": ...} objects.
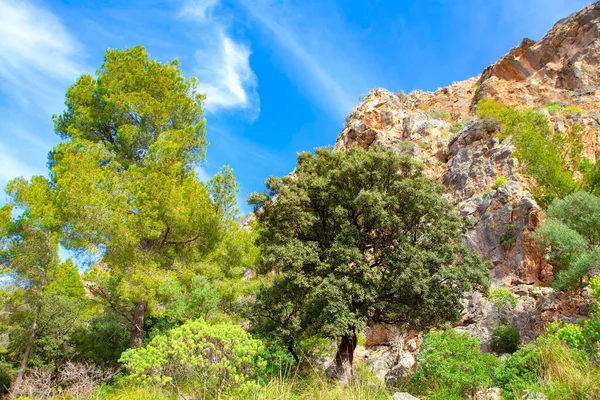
[{"x": 356, "y": 238}]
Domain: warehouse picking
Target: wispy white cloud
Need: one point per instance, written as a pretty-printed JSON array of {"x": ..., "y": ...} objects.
[
  {"x": 222, "y": 64},
  {"x": 198, "y": 9},
  {"x": 37, "y": 54},
  {"x": 319, "y": 50},
  {"x": 226, "y": 77}
]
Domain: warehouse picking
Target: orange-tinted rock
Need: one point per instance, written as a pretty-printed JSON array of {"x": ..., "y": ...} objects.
[{"x": 563, "y": 66}]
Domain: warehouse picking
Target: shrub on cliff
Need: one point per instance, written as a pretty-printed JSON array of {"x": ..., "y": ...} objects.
[
  {"x": 547, "y": 366},
  {"x": 505, "y": 339},
  {"x": 571, "y": 237},
  {"x": 552, "y": 158},
  {"x": 586, "y": 333}
]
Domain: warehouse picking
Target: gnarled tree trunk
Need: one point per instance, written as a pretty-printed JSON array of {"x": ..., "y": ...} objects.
[
  {"x": 342, "y": 366},
  {"x": 137, "y": 324}
]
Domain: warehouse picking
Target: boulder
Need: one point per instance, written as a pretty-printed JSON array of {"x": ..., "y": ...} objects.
[
  {"x": 402, "y": 370},
  {"x": 488, "y": 394},
  {"x": 403, "y": 396}
]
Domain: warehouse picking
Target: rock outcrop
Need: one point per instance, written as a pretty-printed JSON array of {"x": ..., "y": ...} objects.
[
  {"x": 482, "y": 177},
  {"x": 441, "y": 130}
]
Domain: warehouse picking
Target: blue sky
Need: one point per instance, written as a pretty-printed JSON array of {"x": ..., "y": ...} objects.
[{"x": 280, "y": 76}]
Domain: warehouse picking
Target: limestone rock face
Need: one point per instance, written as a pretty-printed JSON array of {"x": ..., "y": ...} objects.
[
  {"x": 482, "y": 177},
  {"x": 481, "y": 174},
  {"x": 562, "y": 66}
]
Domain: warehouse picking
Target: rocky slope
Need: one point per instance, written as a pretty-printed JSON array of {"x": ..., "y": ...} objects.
[
  {"x": 464, "y": 153},
  {"x": 440, "y": 129}
]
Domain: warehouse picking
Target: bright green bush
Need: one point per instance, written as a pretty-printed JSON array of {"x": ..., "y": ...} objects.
[
  {"x": 490, "y": 109},
  {"x": 550, "y": 157},
  {"x": 518, "y": 371},
  {"x": 554, "y": 107},
  {"x": 501, "y": 296},
  {"x": 453, "y": 362},
  {"x": 216, "y": 358},
  {"x": 505, "y": 339},
  {"x": 500, "y": 182},
  {"x": 573, "y": 111},
  {"x": 547, "y": 366},
  {"x": 570, "y": 334},
  {"x": 586, "y": 333}
]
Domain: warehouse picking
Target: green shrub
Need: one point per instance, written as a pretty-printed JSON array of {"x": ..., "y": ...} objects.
[
  {"x": 501, "y": 296},
  {"x": 490, "y": 109},
  {"x": 554, "y": 107},
  {"x": 500, "y": 182},
  {"x": 452, "y": 361},
  {"x": 487, "y": 192},
  {"x": 549, "y": 367},
  {"x": 571, "y": 238},
  {"x": 505, "y": 339},
  {"x": 586, "y": 333},
  {"x": 570, "y": 334},
  {"x": 551, "y": 158},
  {"x": 440, "y": 114},
  {"x": 508, "y": 236},
  {"x": 216, "y": 358},
  {"x": 518, "y": 371},
  {"x": 573, "y": 111}
]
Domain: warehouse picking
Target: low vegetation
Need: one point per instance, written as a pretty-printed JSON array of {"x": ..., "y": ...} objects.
[
  {"x": 501, "y": 296},
  {"x": 182, "y": 300},
  {"x": 553, "y": 158}
]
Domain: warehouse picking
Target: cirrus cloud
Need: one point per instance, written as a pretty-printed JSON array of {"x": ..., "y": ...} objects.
[{"x": 38, "y": 56}]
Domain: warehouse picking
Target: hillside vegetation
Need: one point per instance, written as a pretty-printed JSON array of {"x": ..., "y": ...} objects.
[{"x": 182, "y": 299}]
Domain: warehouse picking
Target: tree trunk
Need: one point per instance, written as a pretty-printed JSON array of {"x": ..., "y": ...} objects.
[
  {"x": 137, "y": 324},
  {"x": 16, "y": 384},
  {"x": 293, "y": 352},
  {"x": 342, "y": 367}
]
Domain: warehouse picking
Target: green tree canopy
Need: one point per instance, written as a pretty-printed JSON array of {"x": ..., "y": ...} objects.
[
  {"x": 355, "y": 238},
  {"x": 125, "y": 175},
  {"x": 29, "y": 235},
  {"x": 571, "y": 237}
]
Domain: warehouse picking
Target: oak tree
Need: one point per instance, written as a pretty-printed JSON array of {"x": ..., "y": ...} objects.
[{"x": 356, "y": 238}]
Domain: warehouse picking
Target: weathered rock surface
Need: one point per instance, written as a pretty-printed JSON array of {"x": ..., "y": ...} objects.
[
  {"x": 403, "y": 396},
  {"x": 488, "y": 394},
  {"x": 465, "y": 154},
  {"x": 562, "y": 66}
]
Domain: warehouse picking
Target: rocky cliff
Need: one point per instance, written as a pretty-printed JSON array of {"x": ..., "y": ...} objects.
[
  {"x": 465, "y": 154},
  {"x": 441, "y": 130}
]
